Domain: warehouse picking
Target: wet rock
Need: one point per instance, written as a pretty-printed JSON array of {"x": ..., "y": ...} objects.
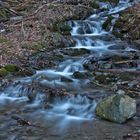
[
  {"x": 81, "y": 75},
  {"x": 112, "y": 61},
  {"x": 54, "y": 40},
  {"x": 61, "y": 27},
  {"x": 133, "y": 83},
  {"x": 105, "y": 78},
  {"x": 125, "y": 76},
  {"x": 104, "y": 65},
  {"x": 75, "y": 52},
  {"x": 137, "y": 44},
  {"x": 120, "y": 92},
  {"x": 44, "y": 59},
  {"x": 66, "y": 79},
  {"x": 68, "y": 41},
  {"x": 25, "y": 72},
  {"x": 4, "y": 82},
  {"x": 107, "y": 24},
  {"x": 116, "y": 108},
  {"x": 118, "y": 46},
  {"x": 87, "y": 28}
]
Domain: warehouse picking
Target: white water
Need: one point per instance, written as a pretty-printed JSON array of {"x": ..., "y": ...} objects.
[{"x": 78, "y": 108}]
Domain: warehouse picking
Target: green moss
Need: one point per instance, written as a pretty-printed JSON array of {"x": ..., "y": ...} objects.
[
  {"x": 100, "y": 78},
  {"x": 57, "y": 40},
  {"x": 94, "y": 4},
  {"x": 117, "y": 34},
  {"x": 34, "y": 46},
  {"x": 107, "y": 23},
  {"x": 3, "y": 13},
  {"x": 58, "y": 57},
  {"x": 3, "y": 40},
  {"x": 3, "y": 72},
  {"x": 101, "y": 109},
  {"x": 61, "y": 28},
  {"x": 51, "y": 6},
  {"x": 81, "y": 75},
  {"x": 11, "y": 68},
  {"x": 43, "y": 30},
  {"x": 75, "y": 17},
  {"x": 6, "y": 51},
  {"x": 105, "y": 79},
  {"x": 118, "y": 24},
  {"x": 125, "y": 76}
]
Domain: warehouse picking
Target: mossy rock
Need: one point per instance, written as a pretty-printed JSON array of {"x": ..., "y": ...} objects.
[
  {"x": 82, "y": 75},
  {"x": 116, "y": 108},
  {"x": 57, "y": 40},
  {"x": 107, "y": 24},
  {"x": 101, "y": 78},
  {"x": 105, "y": 79},
  {"x": 125, "y": 76},
  {"x": 3, "y": 72},
  {"x": 57, "y": 57},
  {"x": 11, "y": 68},
  {"x": 76, "y": 52},
  {"x": 94, "y": 4},
  {"x": 54, "y": 39},
  {"x": 105, "y": 65},
  {"x": 25, "y": 72},
  {"x": 61, "y": 28},
  {"x": 75, "y": 17}
]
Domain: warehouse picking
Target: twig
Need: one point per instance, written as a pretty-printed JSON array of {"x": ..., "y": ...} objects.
[
  {"x": 8, "y": 9},
  {"x": 118, "y": 71},
  {"x": 127, "y": 61}
]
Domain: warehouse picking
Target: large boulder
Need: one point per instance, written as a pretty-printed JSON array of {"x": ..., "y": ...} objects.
[{"x": 117, "y": 108}]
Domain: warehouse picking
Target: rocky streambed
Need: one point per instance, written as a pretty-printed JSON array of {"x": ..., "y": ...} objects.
[{"x": 59, "y": 101}]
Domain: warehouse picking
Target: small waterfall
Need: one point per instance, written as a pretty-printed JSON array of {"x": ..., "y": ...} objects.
[{"x": 25, "y": 94}]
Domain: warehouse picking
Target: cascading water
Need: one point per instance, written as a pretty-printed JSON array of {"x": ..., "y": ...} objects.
[{"x": 88, "y": 35}]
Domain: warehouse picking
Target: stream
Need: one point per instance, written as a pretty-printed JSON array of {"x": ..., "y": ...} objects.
[{"x": 44, "y": 118}]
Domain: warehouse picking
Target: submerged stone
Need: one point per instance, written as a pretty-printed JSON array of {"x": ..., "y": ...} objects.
[
  {"x": 116, "y": 108},
  {"x": 66, "y": 79}
]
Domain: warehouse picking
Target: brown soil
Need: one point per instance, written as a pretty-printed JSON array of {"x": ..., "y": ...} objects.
[{"x": 29, "y": 27}]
